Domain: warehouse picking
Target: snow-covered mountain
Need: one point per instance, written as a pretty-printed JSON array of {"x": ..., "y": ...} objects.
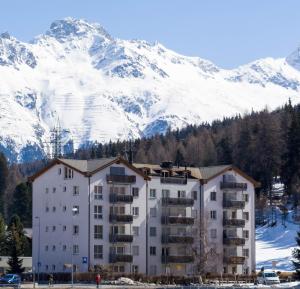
[{"x": 103, "y": 88}]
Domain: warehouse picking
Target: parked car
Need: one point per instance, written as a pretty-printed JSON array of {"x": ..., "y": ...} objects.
[
  {"x": 268, "y": 277},
  {"x": 12, "y": 279}
]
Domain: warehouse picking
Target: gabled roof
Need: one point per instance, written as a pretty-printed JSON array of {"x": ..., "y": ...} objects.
[{"x": 87, "y": 167}]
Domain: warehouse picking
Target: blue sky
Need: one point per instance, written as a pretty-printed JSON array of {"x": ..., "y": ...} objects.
[{"x": 227, "y": 32}]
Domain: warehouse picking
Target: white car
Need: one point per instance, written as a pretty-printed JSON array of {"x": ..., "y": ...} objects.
[{"x": 268, "y": 277}]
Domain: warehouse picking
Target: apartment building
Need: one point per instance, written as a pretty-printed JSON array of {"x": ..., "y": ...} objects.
[{"x": 142, "y": 218}]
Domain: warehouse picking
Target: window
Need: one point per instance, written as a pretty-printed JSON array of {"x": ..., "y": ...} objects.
[
  {"x": 98, "y": 231},
  {"x": 98, "y": 212},
  {"x": 153, "y": 270},
  {"x": 47, "y": 190},
  {"x": 53, "y": 228},
  {"x": 98, "y": 195},
  {"x": 68, "y": 173},
  {"x": 64, "y": 248},
  {"x": 64, "y": 208},
  {"x": 135, "y": 192},
  {"x": 47, "y": 228},
  {"x": 75, "y": 190},
  {"x": 53, "y": 248},
  {"x": 135, "y": 211},
  {"x": 135, "y": 250},
  {"x": 246, "y": 216},
  {"x": 153, "y": 212},
  {"x": 245, "y": 252},
  {"x": 135, "y": 230},
  {"x": 59, "y": 171},
  {"x": 213, "y": 233},
  {"x": 64, "y": 189},
  {"x": 165, "y": 193},
  {"x": 54, "y": 190},
  {"x": 213, "y": 215},
  {"x": 46, "y": 248},
  {"x": 47, "y": 267},
  {"x": 53, "y": 209},
  {"x": 64, "y": 228},
  {"x": 98, "y": 251},
  {"x": 213, "y": 196},
  {"x": 152, "y": 193},
  {"x": 75, "y": 229},
  {"x": 246, "y": 198},
  {"x": 152, "y": 231},
  {"x": 47, "y": 209},
  {"x": 135, "y": 269},
  {"x": 75, "y": 249},
  {"x": 120, "y": 171},
  {"x": 153, "y": 251},
  {"x": 181, "y": 194},
  {"x": 194, "y": 194},
  {"x": 75, "y": 210},
  {"x": 53, "y": 267},
  {"x": 246, "y": 234}
]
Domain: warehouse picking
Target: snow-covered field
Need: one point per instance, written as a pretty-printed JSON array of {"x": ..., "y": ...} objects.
[{"x": 276, "y": 244}]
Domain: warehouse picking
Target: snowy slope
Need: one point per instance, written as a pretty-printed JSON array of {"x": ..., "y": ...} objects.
[
  {"x": 276, "y": 244},
  {"x": 103, "y": 88}
]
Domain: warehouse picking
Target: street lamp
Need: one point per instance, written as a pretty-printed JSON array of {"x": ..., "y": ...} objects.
[
  {"x": 74, "y": 212},
  {"x": 39, "y": 241}
]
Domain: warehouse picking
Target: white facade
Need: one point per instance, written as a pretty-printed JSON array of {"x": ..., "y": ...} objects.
[{"x": 127, "y": 222}]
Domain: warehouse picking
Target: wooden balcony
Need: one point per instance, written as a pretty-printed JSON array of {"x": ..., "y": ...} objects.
[
  {"x": 234, "y": 260},
  {"x": 122, "y": 179},
  {"x": 115, "y": 218},
  {"x": 237, "y": 223},
  {"x": 122, "y": 258},
  {"x": 233, "y": 186},
  {"x": 173, "y": 180},
  {"x": 233, "y": 204},
  {"x": 120, "y": 238},
  {"x": 169, "y": 220},
  {"x": 177, "y": 259},
  {"x": 185, "y": 202},
  {"x": 235, "y": 241},
  {"x": 165, "y": 239},
  {"x": 116, "y": 198}
]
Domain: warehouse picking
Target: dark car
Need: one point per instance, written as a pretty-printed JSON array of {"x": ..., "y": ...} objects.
[{"x": 12, "y": 279}]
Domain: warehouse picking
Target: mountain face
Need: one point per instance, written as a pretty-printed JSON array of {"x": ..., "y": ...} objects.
[{"x": 102, "y": 88}]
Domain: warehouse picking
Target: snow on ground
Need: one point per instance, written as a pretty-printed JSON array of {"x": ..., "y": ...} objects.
[{"x": 276, "y": 244}]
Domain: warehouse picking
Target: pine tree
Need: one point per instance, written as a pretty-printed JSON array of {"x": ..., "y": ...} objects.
[
  {"x": 3, "y": 180},
  {"x": 296, "y": 255}
]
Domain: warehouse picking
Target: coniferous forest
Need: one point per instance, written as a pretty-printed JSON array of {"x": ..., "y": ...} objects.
[{"x": 263, "y": 144}]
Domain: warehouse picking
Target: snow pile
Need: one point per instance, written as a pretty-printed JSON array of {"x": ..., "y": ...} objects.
[{"x": 276, "y": 244}]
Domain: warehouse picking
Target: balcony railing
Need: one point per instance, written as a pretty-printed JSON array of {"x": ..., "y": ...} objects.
[
  {"x": 123, "y": 179},
  {"x": 233, "y": 204},
  {"x": 233, "y": 222},
  {"x": 233, "y": 241},
  {"x": 121, "y": 238},
  {"x": 173, "y": 180},
  {"x": 177, "y": 259},
  {"x": 116, "y": 198},
  {"x": 235, "y": 260},
  {"x": 177, "y": 239},
  {"x": 177, "y": 202},
  {"x": 233, "y": 186},
  {"x": 120, "y": 218},
  {"x": 165, "y": 220},
  {"x": 124, "y": 258}
]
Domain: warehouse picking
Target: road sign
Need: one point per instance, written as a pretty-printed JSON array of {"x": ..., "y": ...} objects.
[{"x": 84, "y": 260}]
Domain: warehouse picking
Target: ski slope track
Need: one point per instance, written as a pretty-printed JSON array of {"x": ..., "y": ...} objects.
[{"x": 102, "y": 88}]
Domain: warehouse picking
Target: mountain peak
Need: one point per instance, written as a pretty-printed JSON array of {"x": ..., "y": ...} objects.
[
  {"x": 294, "y": 59},
  {"x": 72, "y": 27}
]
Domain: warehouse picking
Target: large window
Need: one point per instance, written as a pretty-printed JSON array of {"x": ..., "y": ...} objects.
[
  {"x": 98, "y": 231},
  {"x": 135, "y": 192},
  {"x": 165, "y": 193},
  {"x": 213, "y": 196},
  {"x": 135, "y": 211},
  {"x": 152, "y": 193},
  {"x": 75, "y": 249},
  {"x": 75, "y": 190},
  {"x": 152, "y": 231},
  {"x": 135, "y": 231},
  {"x": 213, "y": 215},
  {"x": 120, "y": 171},
  {"x": 98, "y": 195},
  {"x": 153, "y": 251},
  {"x": 98, "y": 212},
  {"x": 98, "y": 251},
  {"x": 68, "y": 173}
]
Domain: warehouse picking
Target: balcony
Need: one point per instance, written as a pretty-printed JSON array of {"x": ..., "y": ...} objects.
[
  {"x": 116, "y": 198},
  {"x": 234, "y": 223},
  {"x": 122, "y": 179},
  {"x": 177, "y": 202},
  {"x": 173, "y": 180},
  {"x": 122, "y": 258},
  {"x": 168, "y": 220},
  {"x": 120, "y": 238},
  {"x": 233, "y": 204},
  {"x": 177, "y": 259},
  {"x": 120, "y": 218},
  {"x": 233, "y": 241},
  {"x": 165, "y": 239},
  {"x": 234, "y": 260},
  {"x": 233, "y": 186}
]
